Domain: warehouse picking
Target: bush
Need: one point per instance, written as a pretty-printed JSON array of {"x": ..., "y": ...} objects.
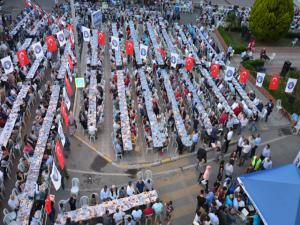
[
  {"x": 229, "y": 40},
  {"x": 238, "y": 49},
  {"x": 270, "y": 20},
  {"x": 292, "y": 35},
  {"x": 253, "y": 65}
]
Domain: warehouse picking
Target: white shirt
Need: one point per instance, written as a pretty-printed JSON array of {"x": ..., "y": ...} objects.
[
  {"x": 13, "y": 204},
  {"x": 214, "y": 220},
  {"x": 130, "y": 190},
  {"x": 136, "y": 214},
  {"x": 246, "y": 148},
  {"x": 104, "y": 194},
  {"x": 228, "y": 169},
  {"x": 240, "y": 142},
  {"x": 229, "y": 135},
  {"x": 118, "y": 216}
]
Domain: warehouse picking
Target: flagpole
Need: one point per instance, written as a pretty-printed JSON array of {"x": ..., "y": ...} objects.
[{"x": 74, "y": 22}]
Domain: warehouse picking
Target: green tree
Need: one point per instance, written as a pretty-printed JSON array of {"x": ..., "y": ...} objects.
[{"x": 271, "y": 19}]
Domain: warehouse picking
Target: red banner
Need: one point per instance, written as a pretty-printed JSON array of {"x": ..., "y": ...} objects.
[
  {"x": 48, "y": 207},
  {"x": 163, "y": 53},
  {"x": 23, "y": 57},
  {"x": 68, "y": 86},
  {"x": 70, "y": 27},
  {"x": 64, "y": 113},
  {"x": 214, "y": 69},
  {"x": 244, "y": 75},
  {"x": 59, "y": 154},
  {"x": 129, "y": 46},
  {"x": 70, "y": 63},
  {"x": 274, "y": 82},
  {"x": 189, "y": 63},
  {"x": 101, "y": 38},
  {"x": 51, "y": 43}
]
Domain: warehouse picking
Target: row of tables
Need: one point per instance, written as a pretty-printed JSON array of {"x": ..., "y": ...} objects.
[
  {"x": 38, "y": 25},
  {"x": 156, "y": 46},
  {"x": 135, "y": 39},
  {"x": 125, "y": 122},
  {"x": 236, "y": 84},
  {"x": 94, "y": 46},
  {"x": 26, "y": 198},
  {"x": 185, "y": 138},
  {"x": 14, "y": 31},
  {"x": 92, "y": 121},
  {"x": 159, "y": 135},
  {"x": 13, "y": 116},
  {"x": 64, "y": 61},
  {"x": 26, "y": 44},
  {"x": 123, "y": 204},
  {"x": 118, "y": 52}
]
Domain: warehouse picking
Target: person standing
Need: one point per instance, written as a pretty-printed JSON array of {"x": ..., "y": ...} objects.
[
  {"x": 72, "y": 124},
  {"x": 229, "y": 169},
  {"x": 269, "y": 107},
  {"x": 228, "y": 138},
  {"x": 267, "y": 163},
  {"x": 266, "y": 152},
  {"x": 195, "y": 139},
  {"x": 240, "y": 146},
  {"x": 245, "y": 152},
  {"x": 205, "y": 178}
]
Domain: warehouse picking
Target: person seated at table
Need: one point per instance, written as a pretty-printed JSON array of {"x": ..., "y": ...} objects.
[
  {"x": 223, "y": 117},
  {"x": 5, "y": 153},
  {"x": 72, "y": 202},
  {"x": 105, "y": 194},
  {"x": 118, "y": 216},
  {"x": 158, "y": 207},
  {"x": 140, "y": 186},
  {"x": 113, "y": 193},
  {"x": 28, "y": 149},
  {"x": 3, "y": 117},
  {"x": 106, "y": 219},
  {"x": 130, "y": 189},
  {"x": 13, "y": 202},
  {"x": 136, "y": 214},
  {"x": 148, "y": 211}
]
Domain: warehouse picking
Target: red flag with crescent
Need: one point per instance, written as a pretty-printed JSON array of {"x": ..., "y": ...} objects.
[
  {"x": 68, "y": 86},
  {"x": 162, "y": 52},
  {"x": 101, "y": 38},
  {"x": 189, "y": 63},
  {"x": 23, "y": 57},
  {"x": 214, "y": 70},
  {"x": 274, "y": 82},
  {"x": 244, "y": 75},
  {"x": 59, "y": 154},
  {"x": 48, "y": 207},
  {"x": 70, "y": 63},
  {"x": 51, "y": 43},
  {"x": 129, "y": 47},
  {"x": 63, "y": 112}
]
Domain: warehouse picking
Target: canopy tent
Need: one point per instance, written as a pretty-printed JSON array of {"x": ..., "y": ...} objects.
[{"x": 275, "y": 194}]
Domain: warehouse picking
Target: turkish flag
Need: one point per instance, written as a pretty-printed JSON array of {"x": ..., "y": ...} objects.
[
  {"x": 244, "y": 75},
  {"x": 70, "y": 27},
  {"x": 129, "y": 47},
  {"x": 63, "y": 112},
  {"x": 23, "y": 57},
  {"x": 48, "y": 207},
  {"x": 101, "y": 38},
  {"x": 68, "y": 86},
  {"x": 214, "y": 69},
  {"x": 274, "y": 82},
  {"x": 70, "y": 63},
  {"x": 51, "y": 43},
  {"x": 162, "y": 52},
  {"x": 189, "y": 63},
  {"x": 59, "y": 154}
]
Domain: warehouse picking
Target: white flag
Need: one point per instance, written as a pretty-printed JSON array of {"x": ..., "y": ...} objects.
[
  {"x": 7, "y": 65},
  {"x": 260, "y": 79},
  {"x": 61, "y": 133},
  {"x": 61, "y": 38},
  {"x": 66, "y": 98},
  {"x": 229, "y": 72},
  {"x": 55, "y": 177},
  {"x": 290, "y": 85},
  {"x": 173, "y": 59},
  {"x": 114, "y": 43},
  {"x": 86, "y": 32},
  {"x": 143, "y": 51},
  {"x": 38, "y": 50}
]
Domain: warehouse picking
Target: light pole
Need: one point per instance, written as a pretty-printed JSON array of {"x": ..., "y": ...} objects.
[{"x": 74, "y": 22}]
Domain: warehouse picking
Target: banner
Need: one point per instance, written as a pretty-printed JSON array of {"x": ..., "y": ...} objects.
[
  {"x": 86, "y": 32},
  {"x": 189, "y": 63},
  {"x": 55, "y": 177},
  {"x": 96, "y": 18},
  {"x": 48, "y": 207},
  {"x": 61, "y": 133},
  {"x": 51, "y": 43},
  {"x": 229, "y": 72},
  {"x": 59, "y": 154},
  {"x": 260, "y": 79},
  {"x": 114, "y": 43},
  {"x": 290, "y": 85},
  {"x": 66, "y": 99},
  {"x": 68, "y": 85},
  {"x": 173, "y": 59},
  {"x": 129, "y": 47},
  {"x": 214, "y": 70},
  {"x": 274, "y": 82},
  {"x": 7, "y": 65},
  {"x": 143, "y": 51},
  {"x": 101, "y": 38},
  {"x": 61, "y": 38},
  {"x": 163, "y": 53},
  {"x": 23, "y": 57},
  {"x": 64, "y": 114},
  {"x": 244, "y": 75},
  {"x": 70, "y": 62},
  {"x": 38, "y": 50}
]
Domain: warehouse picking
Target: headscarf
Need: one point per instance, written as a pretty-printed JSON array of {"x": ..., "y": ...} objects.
[{"x": 207, "y": 172}]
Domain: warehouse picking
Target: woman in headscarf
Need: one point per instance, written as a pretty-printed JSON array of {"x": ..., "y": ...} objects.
[
  {"x": 72, "y": 124},
  {"x": 205, "y": 177}
]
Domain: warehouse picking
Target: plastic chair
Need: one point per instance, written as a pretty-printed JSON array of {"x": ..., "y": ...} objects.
[
  {"x": 148, "y": 175},
  {"x": 148, "y": 218},
  {"x": 7, "y": 220},
  {"x": 75, "y": 186},
  {"x": 140, "y": 175},
  {"x": 272, "y": 57},
  {"x": 278, "y": 105},
  {"x": 84, "y": 201}
]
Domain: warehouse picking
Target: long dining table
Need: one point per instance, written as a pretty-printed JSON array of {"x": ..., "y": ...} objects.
[
  {"x": 64, "y": 61},
  {"x": 155, "y": 44},
  {"x": 118, "y": 51},
  {"x": 36, "y": 64},
  {"x": 26, "y": 198},
  {"x": 94, "y": 47},
  {"x": 180, "y": 126},
  {"x": 123, "y": 204},
  {"x": 135, "y": 39},
  {"x": 92, "y": 95}
]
